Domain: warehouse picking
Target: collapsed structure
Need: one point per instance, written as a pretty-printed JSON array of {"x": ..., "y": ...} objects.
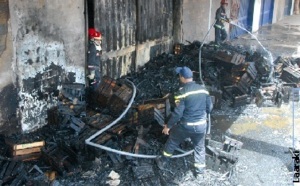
[{"x": 233, "y": 76}]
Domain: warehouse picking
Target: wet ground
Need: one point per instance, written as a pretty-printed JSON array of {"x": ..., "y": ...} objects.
[{"x": 266, "y": 132}]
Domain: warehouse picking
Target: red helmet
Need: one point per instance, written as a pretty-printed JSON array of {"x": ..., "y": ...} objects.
[
  {"x": 91, "y": 32},
  {"x": 97, "y": 35},
  {"x": 224, "y": 2}
]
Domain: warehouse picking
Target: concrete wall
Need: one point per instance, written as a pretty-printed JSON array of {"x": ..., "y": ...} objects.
[
  {"x": 197, "y": 18},
  {"x": 49, "y": 49},
  {"x": 278, "y": 13}
]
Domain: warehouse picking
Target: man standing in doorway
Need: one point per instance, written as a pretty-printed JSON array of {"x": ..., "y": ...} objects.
[
  {"x": 188, "y": 120},
  {"x": 93, "y": 66},
  {"x": 221, "y": 17},
  {"x": 93, "y": 58}
]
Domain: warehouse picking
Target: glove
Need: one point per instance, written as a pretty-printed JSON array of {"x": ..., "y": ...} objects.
[
  {"x": 91, "y": 76},
  {"x": 225, "y": 20}
]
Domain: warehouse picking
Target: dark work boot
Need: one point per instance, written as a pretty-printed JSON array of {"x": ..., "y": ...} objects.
[
  {"x": 161, "y": 162},
  {"x": 199, "y": 174}
]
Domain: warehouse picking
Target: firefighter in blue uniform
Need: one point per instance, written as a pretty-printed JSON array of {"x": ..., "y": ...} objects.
[
  {"x": 93, "y": 58},
  {"x": 188, "y": 120},
  {"x": 93, "y": 66},
  {"x": 221, "y": 17}
]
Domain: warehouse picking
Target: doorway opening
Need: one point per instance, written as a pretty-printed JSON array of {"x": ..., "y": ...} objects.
[{"x": 90, "y": 12}]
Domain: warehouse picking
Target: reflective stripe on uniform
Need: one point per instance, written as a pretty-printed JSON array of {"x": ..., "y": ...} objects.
[
  {"x": 201, "y": 122},
  {"x": 167, "y": 154},
  {"x": 191, "y": 93},
  {"x": 199, "y": 165},
  {"x": 91, "y": 66},
  {"x": 219, "y": 26}
]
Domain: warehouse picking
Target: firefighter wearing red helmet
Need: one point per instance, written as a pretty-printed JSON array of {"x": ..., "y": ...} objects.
[
  {"x": 93, "y": 57},
  {"x": 221, "y": 17},
  {"x": 224, "y": 2}
]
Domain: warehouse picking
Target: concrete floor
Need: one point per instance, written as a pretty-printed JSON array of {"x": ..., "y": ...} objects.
[{"x": 266, "y": 132}]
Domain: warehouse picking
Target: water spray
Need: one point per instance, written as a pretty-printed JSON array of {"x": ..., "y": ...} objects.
[{"x": 270, "y": 57}]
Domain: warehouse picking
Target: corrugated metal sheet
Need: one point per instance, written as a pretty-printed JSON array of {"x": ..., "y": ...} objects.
[
  {"x": 155, "y": 19},
  {"x": 116, "y": 19},
  {"x": 118, "y": 66},
  {"x": 125, "y": 25}
]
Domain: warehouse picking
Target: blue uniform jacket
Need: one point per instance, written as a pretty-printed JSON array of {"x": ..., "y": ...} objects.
[
  {"x": 194, "y": 104},
  {"x": 93, "y": 57},
  {"x": 220, "y": 17}
]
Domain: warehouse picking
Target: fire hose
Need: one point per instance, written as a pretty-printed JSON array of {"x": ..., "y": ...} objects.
[
  {"x": 200, "y": 73},
  {"x": 89, "y": 140},
  {"x": 184, "y": 153}
]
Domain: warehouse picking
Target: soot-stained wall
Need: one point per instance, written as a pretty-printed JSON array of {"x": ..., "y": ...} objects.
[{"x": 49, "y": 49}]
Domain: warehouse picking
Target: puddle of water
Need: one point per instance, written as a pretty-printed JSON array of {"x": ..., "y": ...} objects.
[
  {"x": 236, "y": 125},
  {"x": 243, "y": 127},
  {"x": 277, "y": 122}
]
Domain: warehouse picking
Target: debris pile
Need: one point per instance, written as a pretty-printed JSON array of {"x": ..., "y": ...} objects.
[
  {"x": 231, "y": 73},
  {"x": 58, "y": 150}
]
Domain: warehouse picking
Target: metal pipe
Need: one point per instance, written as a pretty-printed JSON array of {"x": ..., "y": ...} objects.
[{"x": 89, "y": 140}]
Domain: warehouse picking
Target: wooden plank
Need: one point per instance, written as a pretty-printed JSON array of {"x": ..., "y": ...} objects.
[
  {"x": 27, "y": 157},
  {"x": 26, "y": 151},
  {"x": 28, "y": 145}
]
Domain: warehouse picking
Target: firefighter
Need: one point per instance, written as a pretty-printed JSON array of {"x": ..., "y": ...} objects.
[
  {"x": 93, "y": 58},
  {"x": 188, "y": 120},
  {"x": 221, "y": 17}
]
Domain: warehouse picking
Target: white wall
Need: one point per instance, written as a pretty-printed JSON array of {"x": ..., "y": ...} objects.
[{"x": 197, "y": 18}]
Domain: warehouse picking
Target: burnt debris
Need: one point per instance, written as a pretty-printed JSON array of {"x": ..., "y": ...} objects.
[{"x": 57, "y": 153}]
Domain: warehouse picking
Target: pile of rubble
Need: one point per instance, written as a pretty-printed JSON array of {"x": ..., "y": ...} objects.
[
  {"x": 231, "y": 73},
  {"x": 59, "y": 151}
]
